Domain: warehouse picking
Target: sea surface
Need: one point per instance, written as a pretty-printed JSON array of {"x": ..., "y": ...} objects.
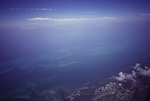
[{"x": 37, "y": 62}]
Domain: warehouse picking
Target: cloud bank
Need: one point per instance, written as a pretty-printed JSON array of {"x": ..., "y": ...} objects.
[
  {"x": 77, "y": 19},
  {"x": 138, "y": 70}
]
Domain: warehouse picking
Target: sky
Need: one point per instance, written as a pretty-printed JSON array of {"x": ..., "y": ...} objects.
[
  {"x": 29, "y": 25},
  {"x": 28, "y": 14}
]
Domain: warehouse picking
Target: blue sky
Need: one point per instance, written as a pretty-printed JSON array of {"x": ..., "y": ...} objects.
[{"x": 31, "y": 13}]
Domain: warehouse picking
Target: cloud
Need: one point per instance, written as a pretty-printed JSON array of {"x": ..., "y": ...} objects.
[
  {"x": 131, "y": 76},
  {"x": 45, "y": 9},
  {"x": 77, "y": 19},
  {"x": 124, "y": 77},
  {"x": 121, "y": 77},
  {"x": 142, "y": 71},
  {"x": 34, "y": 9},
  {"x": 138, "y": 70},
  {"x": 40, "y": 19}
]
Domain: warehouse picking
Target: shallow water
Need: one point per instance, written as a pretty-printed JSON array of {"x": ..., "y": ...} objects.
[
  {"x": 71, "y": 67},
  {"x": 36, "y": 62}
]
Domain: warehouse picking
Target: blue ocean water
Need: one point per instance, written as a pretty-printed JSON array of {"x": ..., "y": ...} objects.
[{"x": 33, "y": 60}]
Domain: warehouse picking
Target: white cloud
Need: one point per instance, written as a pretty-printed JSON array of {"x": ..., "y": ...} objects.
[
  {"x": 145, "y": 72},
  {"x": 47, "y": 9},
  {"x": 36, "y": 9},
  {"x": 130, "y": 77},
  {"x": 138, "y": 70},
  {"x": 77, "y": 19},
  {"x": 142, "y": 71},
  {"x": 43, "y": 9},
  {"x": 123, "y": 76},
  {"x": 134, "y": 74},
  {"x": 39, "y": 18}
]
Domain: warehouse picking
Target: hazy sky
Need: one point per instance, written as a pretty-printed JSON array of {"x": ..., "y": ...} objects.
[{"x": 32, "y": 26}]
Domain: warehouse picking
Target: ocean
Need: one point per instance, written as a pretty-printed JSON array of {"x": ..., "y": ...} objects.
[{"x": 63, "y": 60}]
